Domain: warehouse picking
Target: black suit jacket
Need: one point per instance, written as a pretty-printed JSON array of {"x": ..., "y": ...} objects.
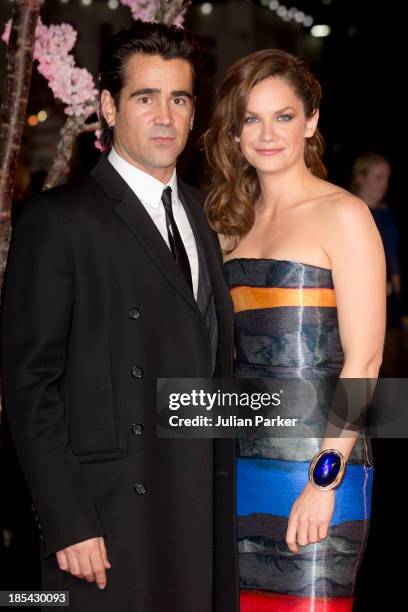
[{"x": 94, "y": 310}]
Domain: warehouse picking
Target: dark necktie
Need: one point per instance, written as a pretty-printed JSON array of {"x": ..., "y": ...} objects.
[{"x": 176, "y": 244}]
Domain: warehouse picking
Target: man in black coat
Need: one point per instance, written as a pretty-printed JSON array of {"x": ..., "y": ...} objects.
[{"x": 112, "y": 282}]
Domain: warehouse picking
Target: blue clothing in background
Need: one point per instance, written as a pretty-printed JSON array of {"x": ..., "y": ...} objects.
[{"x": 387, "y": 226}]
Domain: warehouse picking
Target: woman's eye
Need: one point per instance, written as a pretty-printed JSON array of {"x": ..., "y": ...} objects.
[
  {"x": 250, "y": 119},
  {"x": 285, "y": 117}
]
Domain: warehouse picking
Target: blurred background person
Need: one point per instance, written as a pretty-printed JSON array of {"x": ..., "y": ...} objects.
[{"x": 370, "y": 181}]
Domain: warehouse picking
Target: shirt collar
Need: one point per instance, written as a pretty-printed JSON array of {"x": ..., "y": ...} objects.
[{"x": 147, "y": 188}]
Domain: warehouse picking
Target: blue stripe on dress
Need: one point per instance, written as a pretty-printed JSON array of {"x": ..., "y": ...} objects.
[{"x": 271, "y": 486}]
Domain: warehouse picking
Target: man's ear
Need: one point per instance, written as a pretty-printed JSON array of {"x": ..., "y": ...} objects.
[
  {"x": 108, "y": 107},
  {"x": 192, "y": 116},
  {"x": 311, "y": 124}
]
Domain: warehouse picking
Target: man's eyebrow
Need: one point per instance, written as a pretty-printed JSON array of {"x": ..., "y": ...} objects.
[
  {"x": 180, "y": 93},
  {"x": 145, "y": 91},
  {"x": 148, "y": 91},
  {"x": 276, "y": 112}
]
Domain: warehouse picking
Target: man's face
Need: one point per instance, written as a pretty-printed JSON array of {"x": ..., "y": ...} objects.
[{"x": 154, "y": 114}]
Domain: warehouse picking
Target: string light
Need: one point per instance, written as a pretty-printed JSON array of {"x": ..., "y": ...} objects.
[
  {"x": 206, "y": 8},
  {"x": 320, "y": 31},
  {"x": 290, "y": 14},
  {"x": 32, "y": 120}
]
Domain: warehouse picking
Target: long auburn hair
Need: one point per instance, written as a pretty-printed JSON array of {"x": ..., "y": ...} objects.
[{"x": 231, "y": 182}]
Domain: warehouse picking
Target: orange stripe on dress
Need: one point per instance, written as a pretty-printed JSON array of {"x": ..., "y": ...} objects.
[
  {"x": 253, "y": 601},
  {"x": 252, "y": 298}
]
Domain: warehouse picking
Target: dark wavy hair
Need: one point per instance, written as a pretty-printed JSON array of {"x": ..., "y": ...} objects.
[
  {"x": 231, "y": 182},
  {"x": 169, "y": 42}
]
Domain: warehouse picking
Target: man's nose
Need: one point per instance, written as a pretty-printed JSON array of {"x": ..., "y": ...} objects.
[{"x": 163, "y": 116}]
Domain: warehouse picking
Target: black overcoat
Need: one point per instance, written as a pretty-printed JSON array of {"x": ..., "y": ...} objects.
[{"x": 94, "y": 309}]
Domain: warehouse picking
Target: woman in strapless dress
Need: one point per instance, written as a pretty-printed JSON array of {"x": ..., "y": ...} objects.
[{"x": 305, "y": 266}]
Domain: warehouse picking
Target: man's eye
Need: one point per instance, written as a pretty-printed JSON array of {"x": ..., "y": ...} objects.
[
  {"x": 179, "y": 101},
  {"x": 144, "y": 99}
]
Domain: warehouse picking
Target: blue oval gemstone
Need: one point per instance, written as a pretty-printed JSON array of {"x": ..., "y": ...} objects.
[{"x": 326, "y": 469}]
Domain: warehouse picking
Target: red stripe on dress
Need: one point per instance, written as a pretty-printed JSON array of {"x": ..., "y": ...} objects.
[{"x": 252, "y": 601}]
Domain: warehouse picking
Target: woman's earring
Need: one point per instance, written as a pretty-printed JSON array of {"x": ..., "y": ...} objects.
[{"x": 237, "y": 139}]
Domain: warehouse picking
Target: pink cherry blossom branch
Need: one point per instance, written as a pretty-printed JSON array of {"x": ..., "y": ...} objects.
[
  {"x": 21, "y": 32},
  {"x": 19, "y": 63},
  {"x": 71, "y": 85},
  {"x": 73, "y": 127},
  {"x": 163, "y": 11}
]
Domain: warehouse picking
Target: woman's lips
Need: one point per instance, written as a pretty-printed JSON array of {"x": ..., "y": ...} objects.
[{"x": 268, "y": 151}]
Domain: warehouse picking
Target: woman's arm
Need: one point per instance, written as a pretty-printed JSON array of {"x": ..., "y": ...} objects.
[
  {"x": 356, "y": 252},
  {"x": 355, "y": 249}
]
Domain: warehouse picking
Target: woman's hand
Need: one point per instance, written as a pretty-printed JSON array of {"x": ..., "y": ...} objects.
[{"x": 310, "y": 517}]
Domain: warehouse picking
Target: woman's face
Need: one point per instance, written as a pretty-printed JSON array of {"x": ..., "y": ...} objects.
[
  {"x": 374, "y": 183},
  {"x": 275, "y": 127}
]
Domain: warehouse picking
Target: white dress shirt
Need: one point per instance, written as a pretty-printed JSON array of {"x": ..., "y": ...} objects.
[{"x": 149, "y": 191}]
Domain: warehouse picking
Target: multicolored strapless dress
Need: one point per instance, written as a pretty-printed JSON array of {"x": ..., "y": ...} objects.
[{"x": 286, "y": 325}]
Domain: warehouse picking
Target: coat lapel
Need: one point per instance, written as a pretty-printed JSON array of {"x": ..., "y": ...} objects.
[
  {"x": 137, "y": 219},
  {"x": 220, "y": 290},
  {"x": 222, "y": 298}
]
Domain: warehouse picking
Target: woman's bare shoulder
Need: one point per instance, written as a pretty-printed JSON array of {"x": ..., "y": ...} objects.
[
  {"x": 340, "y": 204},
  {"x": 348, "y": 226}
]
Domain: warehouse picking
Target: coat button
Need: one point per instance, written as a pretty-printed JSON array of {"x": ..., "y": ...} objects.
[
  {"x": 140, "y": 488},
  {"x": 134, "y": 314},
  {"x": 137, "y": 429},
  {"x": 136, "y": 372}
]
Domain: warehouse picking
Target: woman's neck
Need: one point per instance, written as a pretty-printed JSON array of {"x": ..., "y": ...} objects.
[{"x": 279, "y": 190}]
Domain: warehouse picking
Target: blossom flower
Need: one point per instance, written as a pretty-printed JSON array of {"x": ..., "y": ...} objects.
[
  {"x": 145, "y": 10},
  {"x": 74, "y": 86}
]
